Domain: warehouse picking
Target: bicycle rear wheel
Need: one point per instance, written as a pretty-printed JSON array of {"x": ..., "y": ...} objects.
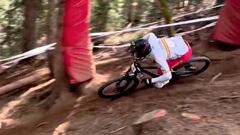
[
  {"x": 195, "y": 66},
  {"x": 118, "y": 87}
]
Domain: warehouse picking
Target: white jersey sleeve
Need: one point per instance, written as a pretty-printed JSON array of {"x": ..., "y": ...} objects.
[
  {"x": 158, "y": 53},
  {"x": 167, "y": 75}
]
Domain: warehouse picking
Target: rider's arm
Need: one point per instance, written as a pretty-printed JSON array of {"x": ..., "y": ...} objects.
[
  {"x": 167, "y": 75},
  {"x": 159, "y": 55}
]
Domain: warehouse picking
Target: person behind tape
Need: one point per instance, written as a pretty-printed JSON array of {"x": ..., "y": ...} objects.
[{"x": 167, "y": 53}]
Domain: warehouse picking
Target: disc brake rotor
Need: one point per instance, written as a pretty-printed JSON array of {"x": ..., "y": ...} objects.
[{"x": 121, "y": 85}]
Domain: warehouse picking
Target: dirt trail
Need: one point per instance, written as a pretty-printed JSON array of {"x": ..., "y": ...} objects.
[{"x": 216, "y": 103}]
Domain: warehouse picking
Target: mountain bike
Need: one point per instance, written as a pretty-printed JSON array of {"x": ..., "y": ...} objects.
[{"x": 136, "y": 72}]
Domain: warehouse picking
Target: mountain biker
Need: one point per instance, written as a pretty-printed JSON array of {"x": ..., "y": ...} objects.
[{"x": 167, "y": 53}]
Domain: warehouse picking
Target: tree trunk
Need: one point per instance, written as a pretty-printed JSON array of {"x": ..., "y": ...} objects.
[
  {"x": 51, "y": 22},
  {"x": 183, "y": 3},
  {"x": 128, "y": 11},
  {"x": 137, "y": 11},
  {"x": 179, "y": 3},
  {"x": 163, "y": 5},
  {"x": 29, "y": 24},
  {"x": 61, "y": 84},
  {"x": 190, "y": 3}
]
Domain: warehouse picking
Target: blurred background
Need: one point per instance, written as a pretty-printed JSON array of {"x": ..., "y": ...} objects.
[{"x": 26, "y": 24}]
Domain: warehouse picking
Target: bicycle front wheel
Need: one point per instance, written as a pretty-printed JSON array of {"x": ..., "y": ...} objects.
[{"x": 118, "y": 87}]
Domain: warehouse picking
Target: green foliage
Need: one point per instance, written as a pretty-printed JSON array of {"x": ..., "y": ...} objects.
[
  {"x": 42, "y": 19},
  {"x": 116, "y": 20},
  {"x": 100, "y": 15},
  {"x": 152, "y": 14},
  {"x": 11, "y": 23},
  {"x": 167, "y": 15},
  {"x": 4, "y": 4},
  {"x": 106, "y": 15}
]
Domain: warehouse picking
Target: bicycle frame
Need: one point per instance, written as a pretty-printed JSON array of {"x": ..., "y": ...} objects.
[{"x": 136, "y": 69}]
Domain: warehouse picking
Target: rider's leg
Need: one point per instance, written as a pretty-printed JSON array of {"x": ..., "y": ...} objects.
[
  {"x": 176, "y": 62},
  {"x": 183, "y": 59}
]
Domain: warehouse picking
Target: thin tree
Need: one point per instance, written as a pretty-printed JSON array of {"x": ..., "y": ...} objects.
[
  {"x": 31, "y": 9},
  {"x": 61, "y": 84},
  {"x": 128, "y": 11},
  {"x": 163, "y": 5},
  {"x": 51, "y": 21}
]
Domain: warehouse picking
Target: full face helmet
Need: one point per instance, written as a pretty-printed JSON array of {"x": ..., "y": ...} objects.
[{"x": 140, "y": 48}]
